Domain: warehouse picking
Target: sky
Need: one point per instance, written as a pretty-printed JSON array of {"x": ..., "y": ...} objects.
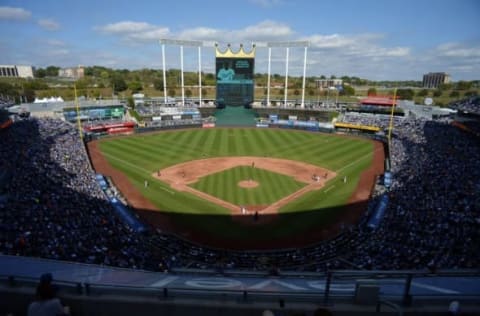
[{"x": 375, "y": 40}]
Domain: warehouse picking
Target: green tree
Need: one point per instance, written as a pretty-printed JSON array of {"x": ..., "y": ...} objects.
[
  {"x": 40, "y": 73},
  {"x": 296, "y": 92},
  {"x": 171, "y": 92},
  {"x": 131, "y": 102},
  {"x": 104, "y": 75},
  {"x": 464, "y": 85},
  {"x": 82, "y": 83},
  {"x": 422, "y": 93},
  {"x": 445, "y": 86},
  {"x": 188, "y": 93},
  {"x": 437, "y": 93},
  {"x": 454, "y": 94},
  {"x": 471, "y": 93},
  {"x": 372, "y": 92},
  {"x": 135, "y": 86},
  {"x": 405, "y": 94},
  {"x": 311, "y": 92},
  {"x": 158, "y": 84},
  {"x": 35, "y": 84},
  {"x": 347, "y": 90},
  {"x": 52, "y": 71},
  {"x": 118, "y": 84}
]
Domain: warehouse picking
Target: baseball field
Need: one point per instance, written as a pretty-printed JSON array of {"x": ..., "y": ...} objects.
[{"x": 242, "y": 185}]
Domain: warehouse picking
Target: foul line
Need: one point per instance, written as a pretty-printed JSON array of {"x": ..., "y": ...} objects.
[
  {"x": 169, "y": 191},
  {"x": 137, "y": 167},
  {"x": 329, "y": 189}
]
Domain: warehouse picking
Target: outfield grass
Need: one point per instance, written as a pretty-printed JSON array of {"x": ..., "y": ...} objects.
[{"x": 139, "y": 156}]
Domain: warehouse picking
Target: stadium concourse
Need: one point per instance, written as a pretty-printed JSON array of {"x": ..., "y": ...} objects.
[{"x": 52, "y": 207}]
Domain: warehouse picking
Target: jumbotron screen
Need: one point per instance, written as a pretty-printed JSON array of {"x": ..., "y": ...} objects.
[{"x": 234, "y": 81}]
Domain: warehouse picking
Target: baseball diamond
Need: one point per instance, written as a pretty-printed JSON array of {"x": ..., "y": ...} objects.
[{"x": 301, "y": 195}]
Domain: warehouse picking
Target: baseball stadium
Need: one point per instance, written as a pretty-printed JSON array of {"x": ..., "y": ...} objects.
[{"x": 235, "y": 205}]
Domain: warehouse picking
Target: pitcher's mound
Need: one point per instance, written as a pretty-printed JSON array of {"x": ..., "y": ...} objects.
[{"x": 248, "y": 184}]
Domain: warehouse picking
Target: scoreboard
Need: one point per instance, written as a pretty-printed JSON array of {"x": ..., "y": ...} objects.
[{"x": 235, "y": 78}]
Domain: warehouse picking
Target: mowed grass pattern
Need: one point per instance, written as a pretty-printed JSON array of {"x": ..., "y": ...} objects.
[
  {"x": 224, "y": 185},
  {"x": 140, "y": 155}
]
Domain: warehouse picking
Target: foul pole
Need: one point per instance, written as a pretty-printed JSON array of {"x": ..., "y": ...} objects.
[
  {"x": 390, "y": 126},
  {"x": 78, "y": 113}
]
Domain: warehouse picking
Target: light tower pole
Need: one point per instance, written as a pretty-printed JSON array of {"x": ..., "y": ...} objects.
[
  {"x": 181, "y": 43},
  {"x": 287, "y": 45}
]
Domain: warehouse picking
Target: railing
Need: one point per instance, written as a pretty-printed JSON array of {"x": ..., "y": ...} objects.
[{"x": 325, "y": 291}]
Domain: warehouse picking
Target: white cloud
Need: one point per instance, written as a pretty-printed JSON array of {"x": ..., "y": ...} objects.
[
  {"x": 48, "y": 24},
  {"x": 266, "y": 3},
  {"x": 150, "y": 35},
  {"x": 125, "y": 27},
  {"x": 54, "y": 42},
  {"x": 202, "y": 33},
  {"x": 263, "y": 31},
  {"x": 134, "y": 32},
  {"x": 396, "y": 52},
  {"x": 330, "y": 41},
  {"x": 266, "y": 30},
  {"x": 458, "y": 50},
  {"x": 10, "y": 13},
  {"x": 58, "y": 52},
  {"x": 460, "y": 60}
]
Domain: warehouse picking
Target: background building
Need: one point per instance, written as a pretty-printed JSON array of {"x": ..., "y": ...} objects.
[
  {"x": 327, "y": 83},
  {"x": 435, "y": 79},
  {"x": 72, "y": 72},
  {"x": 16, "y": 71}
]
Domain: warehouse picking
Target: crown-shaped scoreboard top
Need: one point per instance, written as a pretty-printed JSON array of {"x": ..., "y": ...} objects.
[{"x": 228, "y": 53}]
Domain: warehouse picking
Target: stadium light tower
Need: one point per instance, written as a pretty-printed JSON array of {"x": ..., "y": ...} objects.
[
  {"x": 287, "y": 45},
  {"x": 182, "y": 43}
]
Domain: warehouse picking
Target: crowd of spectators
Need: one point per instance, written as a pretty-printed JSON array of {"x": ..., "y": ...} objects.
[
  {"x": 55, "y": 209},
  {"x": 369, "y": 119},
  {"x": 433, "y": 217},
  {"x": 470, "y": 105},
  {"x": 6, "y": 101}
]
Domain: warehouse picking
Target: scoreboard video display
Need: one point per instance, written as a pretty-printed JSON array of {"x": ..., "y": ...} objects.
[
  {"x": 235, "y": 84},
  {"x": 234, "y": 70}
]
